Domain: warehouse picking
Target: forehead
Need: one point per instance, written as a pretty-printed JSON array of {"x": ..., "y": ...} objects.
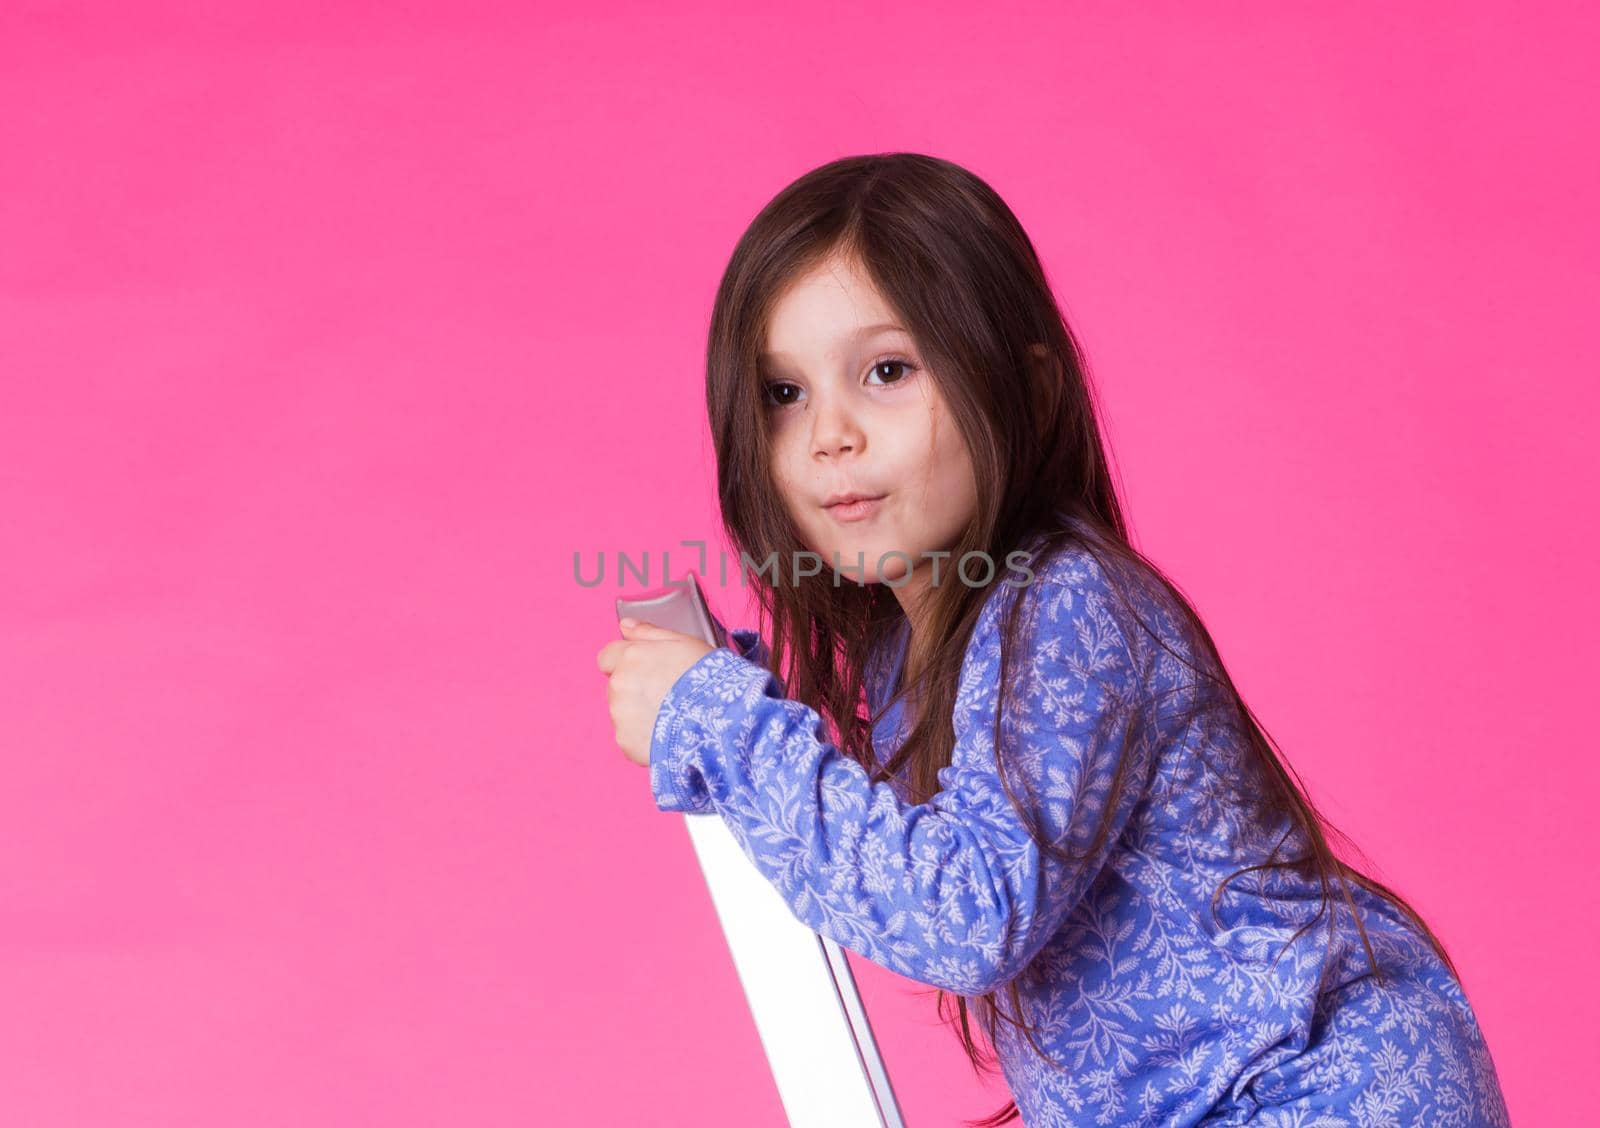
[{"x": 826, "y": 312}]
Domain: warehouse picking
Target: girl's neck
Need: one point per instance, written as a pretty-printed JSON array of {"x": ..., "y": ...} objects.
[
  {"x": 910, "y": 661},
  {"x": 914, "y": 598}
]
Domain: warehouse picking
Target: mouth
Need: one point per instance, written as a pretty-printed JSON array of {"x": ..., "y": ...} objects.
[{"x": 853, "y": 506}]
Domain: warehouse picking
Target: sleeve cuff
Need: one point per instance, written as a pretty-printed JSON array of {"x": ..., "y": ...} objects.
[
  {"x": 747, "y": 643},
  {"x": 687, "y": 730}
]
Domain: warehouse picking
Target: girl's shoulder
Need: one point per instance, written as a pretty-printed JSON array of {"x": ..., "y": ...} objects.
[
  {"x": 1088, "y": 611},
  {"x": 1063, "y": 586},
  {"x": 1067, "y": 598},
  {"x": 1083, "y": 609}
]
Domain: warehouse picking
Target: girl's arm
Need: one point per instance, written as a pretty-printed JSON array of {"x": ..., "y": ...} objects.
[{"x": 952, "y": 892}]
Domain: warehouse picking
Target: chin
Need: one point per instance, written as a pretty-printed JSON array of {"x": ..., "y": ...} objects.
[{"x": 868, "y": 552}]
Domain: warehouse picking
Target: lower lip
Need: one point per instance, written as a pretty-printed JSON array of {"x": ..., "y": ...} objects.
[{"x": 856, "y": 510}]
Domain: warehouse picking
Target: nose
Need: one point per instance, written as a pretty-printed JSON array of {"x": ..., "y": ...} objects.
[{"x": 835, "y": 430}]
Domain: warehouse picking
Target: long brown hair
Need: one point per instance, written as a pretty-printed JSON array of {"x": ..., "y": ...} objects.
[{"x": 953, "y": 261}]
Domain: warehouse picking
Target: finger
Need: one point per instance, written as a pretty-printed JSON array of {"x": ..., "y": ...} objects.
[
  {"x": 635, "y": 628},
  {"x": 610, "y": 654}
]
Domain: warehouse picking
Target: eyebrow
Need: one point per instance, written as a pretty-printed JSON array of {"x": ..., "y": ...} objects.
[{"x": 860, "y": 334}]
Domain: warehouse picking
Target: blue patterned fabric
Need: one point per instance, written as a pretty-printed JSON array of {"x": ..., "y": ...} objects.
[{"x": 1153, "y": 1011}]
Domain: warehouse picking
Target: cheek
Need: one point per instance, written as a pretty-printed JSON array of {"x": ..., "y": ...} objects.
[
  {"x": 787, "y": 473},
  {"x": 940, "y": 453},
  {"x": 957, "y": 464},
  {"x": 955, "y": 487}
]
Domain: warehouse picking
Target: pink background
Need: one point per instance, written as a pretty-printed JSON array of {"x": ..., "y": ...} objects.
[{"x": 326, "y": 341}]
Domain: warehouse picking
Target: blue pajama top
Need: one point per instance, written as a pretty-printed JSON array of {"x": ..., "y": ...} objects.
[{"x": 1153, "y": 1011}]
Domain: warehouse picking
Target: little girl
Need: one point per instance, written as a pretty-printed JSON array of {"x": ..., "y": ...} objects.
[{"x": 1056, "y": 806}]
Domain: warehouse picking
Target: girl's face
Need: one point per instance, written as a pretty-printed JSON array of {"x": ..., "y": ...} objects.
[{"x": 853, "y": 410}]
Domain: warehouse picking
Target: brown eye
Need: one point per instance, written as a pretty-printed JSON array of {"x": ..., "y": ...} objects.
[
  {"x": 774, "y": 393},
  {"x": 894, "y": 362}
]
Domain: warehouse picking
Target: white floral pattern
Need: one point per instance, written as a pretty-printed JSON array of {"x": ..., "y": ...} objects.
[{"x": 1153, "y": 1012}]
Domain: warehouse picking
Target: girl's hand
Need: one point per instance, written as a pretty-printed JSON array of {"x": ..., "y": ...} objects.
[{"x": 642, "y": 665}]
